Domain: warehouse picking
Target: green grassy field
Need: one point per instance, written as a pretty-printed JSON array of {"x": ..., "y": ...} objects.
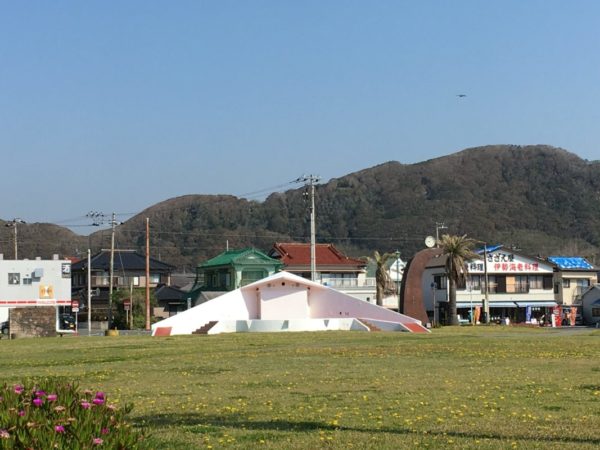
[{"x": 484, "y": 387}]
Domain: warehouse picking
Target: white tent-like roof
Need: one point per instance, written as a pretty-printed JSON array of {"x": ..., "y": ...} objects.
[{"x": 284, "y": 302}]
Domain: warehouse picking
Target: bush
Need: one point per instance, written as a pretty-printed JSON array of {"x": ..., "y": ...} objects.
[{"x": 53, "y": 413}]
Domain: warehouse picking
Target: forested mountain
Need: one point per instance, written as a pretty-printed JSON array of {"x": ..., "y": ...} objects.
[{"x": 543, "y": 200}]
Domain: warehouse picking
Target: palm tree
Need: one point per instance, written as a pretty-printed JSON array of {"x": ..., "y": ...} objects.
[
  {"x": 458, "y": 250},
  {"x": 383, "y": 282}
]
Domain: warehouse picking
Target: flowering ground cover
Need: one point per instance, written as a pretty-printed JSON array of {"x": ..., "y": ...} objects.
[
  {"x": 484, "y": 387},
  {"x": 54, "y": 413}
]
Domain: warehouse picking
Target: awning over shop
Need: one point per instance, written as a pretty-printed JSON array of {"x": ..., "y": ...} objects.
[
  {"x": 538, "y": 304},
  {"x": 492, "y": 304},
  {"x": 503, "y": 305},
  {"x": 468, "y": 304},
  {"x": 547, "y": 304}
]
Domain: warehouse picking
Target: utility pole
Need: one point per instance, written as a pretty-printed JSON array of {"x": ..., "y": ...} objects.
[
  {"x": 113, "y": 223},
  {"x": 486, "y": 300},
  {"x": 398, "y": 278},
  {"x": 89, "y": 290},
  {"x": 439, "y": 226},
  {"x": 311, "y": 180},
  {"x": 147, "y": 274},
  {"x": 13, "y": 223}
]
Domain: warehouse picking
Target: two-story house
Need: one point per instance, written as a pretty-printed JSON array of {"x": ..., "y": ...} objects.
[
  {"x": 231, "y": 270},
  {"x": 129, "y": 272},
  {"x": 334, "y": 269}
]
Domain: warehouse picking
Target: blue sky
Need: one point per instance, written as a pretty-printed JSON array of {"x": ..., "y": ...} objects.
[{"x": 115, "y": 106}]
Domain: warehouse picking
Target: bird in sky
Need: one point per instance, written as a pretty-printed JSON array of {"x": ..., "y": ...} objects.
[{"x": 461, "y": 95}]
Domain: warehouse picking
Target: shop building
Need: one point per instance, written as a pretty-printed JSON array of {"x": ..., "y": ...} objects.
[
  {"x": 521, "y": 288},
  {"x": 34, "y": 294}
]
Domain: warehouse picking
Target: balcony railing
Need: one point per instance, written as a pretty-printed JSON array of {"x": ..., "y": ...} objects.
[
  {"x": 348, "y": 282},
  {"x": 120, "y": 281}
]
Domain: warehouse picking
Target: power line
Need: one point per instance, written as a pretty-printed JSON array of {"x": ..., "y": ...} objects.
[{"x": 266, "y": 190}]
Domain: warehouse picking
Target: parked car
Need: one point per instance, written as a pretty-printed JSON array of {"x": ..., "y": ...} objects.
[
  {"x": 4, "y": 327},
  {"x": 66, "y": 322}
]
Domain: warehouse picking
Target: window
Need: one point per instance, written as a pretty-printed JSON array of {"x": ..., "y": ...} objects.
[
  {"x": 595, "y": 312},
  {"x": 497, "y": 283},
  {"x": 475, "y": 283},
  {"x": 440, "y": 281},
  {"x": 583, "y": 283},
  {"x": 224, "y": 280},
  {"x": 250, "y": 276},
  {"x": 500, "y": 283},
  {"x": 26, "y": 281},
  {"x": 14, "y": 278},
  {"x": 536, "y": 282},
  {"x": 566, "y": 282},
  {"x": 521, "y": 284},
  {"x": 154, "y": 278},
  {"x": 547, "y": 282}
]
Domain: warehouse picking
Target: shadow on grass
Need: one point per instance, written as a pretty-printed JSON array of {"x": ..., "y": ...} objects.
[{"x": 213, "y": 422}]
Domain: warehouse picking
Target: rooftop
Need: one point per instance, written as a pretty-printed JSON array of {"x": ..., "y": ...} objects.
[{"x": 298, "y": 254}]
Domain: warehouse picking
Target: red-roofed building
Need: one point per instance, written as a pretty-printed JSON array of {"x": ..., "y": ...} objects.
[{"x": 334, "y": 269}]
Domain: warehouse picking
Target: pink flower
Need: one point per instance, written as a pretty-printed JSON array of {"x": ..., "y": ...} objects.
[
  {"x": 85, "y": 405},
  {"x": 38, "y": 402},
  {"x": 98, "y": 401},
  {"x": 97, "y": 441},
  {"x": 4, "y": 434},
  {"x": 59, "y": 429},
  {"x": 52, "y": 397},
  {"x": 21, "y": 413},
  {"x": 40, "y": 393},
  {"x": 18, "y": 388},
  {"x": 104, "y": 431},
  {"x": 100, "y": 395}
]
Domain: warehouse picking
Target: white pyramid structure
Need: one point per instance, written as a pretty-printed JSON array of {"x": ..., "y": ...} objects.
[{"x": 285, "y": 302}]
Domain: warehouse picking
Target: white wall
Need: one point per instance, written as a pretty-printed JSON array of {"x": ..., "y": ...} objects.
[
  {"x": 283, "y": 302},
  {"x": 52, "y": 287},
  {"x": 53, "y": 284},
  {"x": 328, "y": 303}
]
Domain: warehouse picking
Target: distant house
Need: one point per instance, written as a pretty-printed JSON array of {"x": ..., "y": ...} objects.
[
  {"x": 171, "y": 300},
  {"x": 573, "y": 276},
  {"x": 591, "y": 306},
  {"x": 230, "y": 270},
  {"x": 129, "y": 271},
  {"x": 334, "y": 269}
]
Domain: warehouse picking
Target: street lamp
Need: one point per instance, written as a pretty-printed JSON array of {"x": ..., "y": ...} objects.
[
  {"x": 439, "y": 226},
  {"x": 13, "y": 223}
]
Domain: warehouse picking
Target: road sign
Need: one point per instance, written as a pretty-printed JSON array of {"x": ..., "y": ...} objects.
[
  {"x": 75, "y": 305},
  {"x": 127, "y": 304}
]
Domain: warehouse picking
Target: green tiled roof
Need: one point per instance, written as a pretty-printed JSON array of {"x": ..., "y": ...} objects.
[{"x": 240, "y": 257}]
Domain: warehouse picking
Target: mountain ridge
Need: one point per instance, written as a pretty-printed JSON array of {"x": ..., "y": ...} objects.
[{"x": 541, "y": 198}]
